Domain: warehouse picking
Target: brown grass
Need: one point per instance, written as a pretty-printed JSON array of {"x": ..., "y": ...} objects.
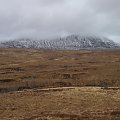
[
  {"x": 27, "y": 68},
  {"x": 75, "y": 103},
  {"x": 59, "y": 85}
]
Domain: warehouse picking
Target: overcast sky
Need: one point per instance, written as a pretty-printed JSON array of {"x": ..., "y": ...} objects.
[{"x": 52, "y": 18}]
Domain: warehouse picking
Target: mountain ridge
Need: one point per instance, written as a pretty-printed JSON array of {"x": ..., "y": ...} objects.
[{"x": 71, "y": 42}]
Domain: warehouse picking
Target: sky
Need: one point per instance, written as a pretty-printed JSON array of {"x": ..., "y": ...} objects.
[{"x": 46, "y": 19}]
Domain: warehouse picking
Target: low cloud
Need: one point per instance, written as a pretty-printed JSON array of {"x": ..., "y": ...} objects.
[{"x": 51, "y": 18}]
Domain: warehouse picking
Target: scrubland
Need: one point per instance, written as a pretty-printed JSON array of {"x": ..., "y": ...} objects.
[{"x": 59, "y": 85}]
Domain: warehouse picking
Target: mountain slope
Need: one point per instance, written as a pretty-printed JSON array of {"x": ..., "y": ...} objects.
[{"x": 72, "y": 42}]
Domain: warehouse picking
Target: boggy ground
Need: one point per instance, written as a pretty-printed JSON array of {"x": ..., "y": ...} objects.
[
  {"x": 67, "y": 103},
  {"x": 30, "y": 68},
  {"x": 59, "y": 85}
]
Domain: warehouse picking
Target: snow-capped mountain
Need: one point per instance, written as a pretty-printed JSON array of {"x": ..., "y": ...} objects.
[{"x": 72, "y": 42}]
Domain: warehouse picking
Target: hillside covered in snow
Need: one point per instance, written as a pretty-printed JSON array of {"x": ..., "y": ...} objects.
[{"x": 71, "y": 42}]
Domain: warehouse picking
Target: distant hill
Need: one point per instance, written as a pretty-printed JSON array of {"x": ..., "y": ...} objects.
[{"x": 71, "y": 42}]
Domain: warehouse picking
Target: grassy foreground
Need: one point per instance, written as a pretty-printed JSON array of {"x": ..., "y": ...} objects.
[
  {"x": 79, "y": 103},
  {"x": 59, "y": 85}
]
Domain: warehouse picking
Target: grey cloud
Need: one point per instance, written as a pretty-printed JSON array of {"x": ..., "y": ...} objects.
[{"x": 52, "y": 18}]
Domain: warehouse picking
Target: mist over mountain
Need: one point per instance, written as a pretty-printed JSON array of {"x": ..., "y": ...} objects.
[{"x": 71, "y": 42}]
